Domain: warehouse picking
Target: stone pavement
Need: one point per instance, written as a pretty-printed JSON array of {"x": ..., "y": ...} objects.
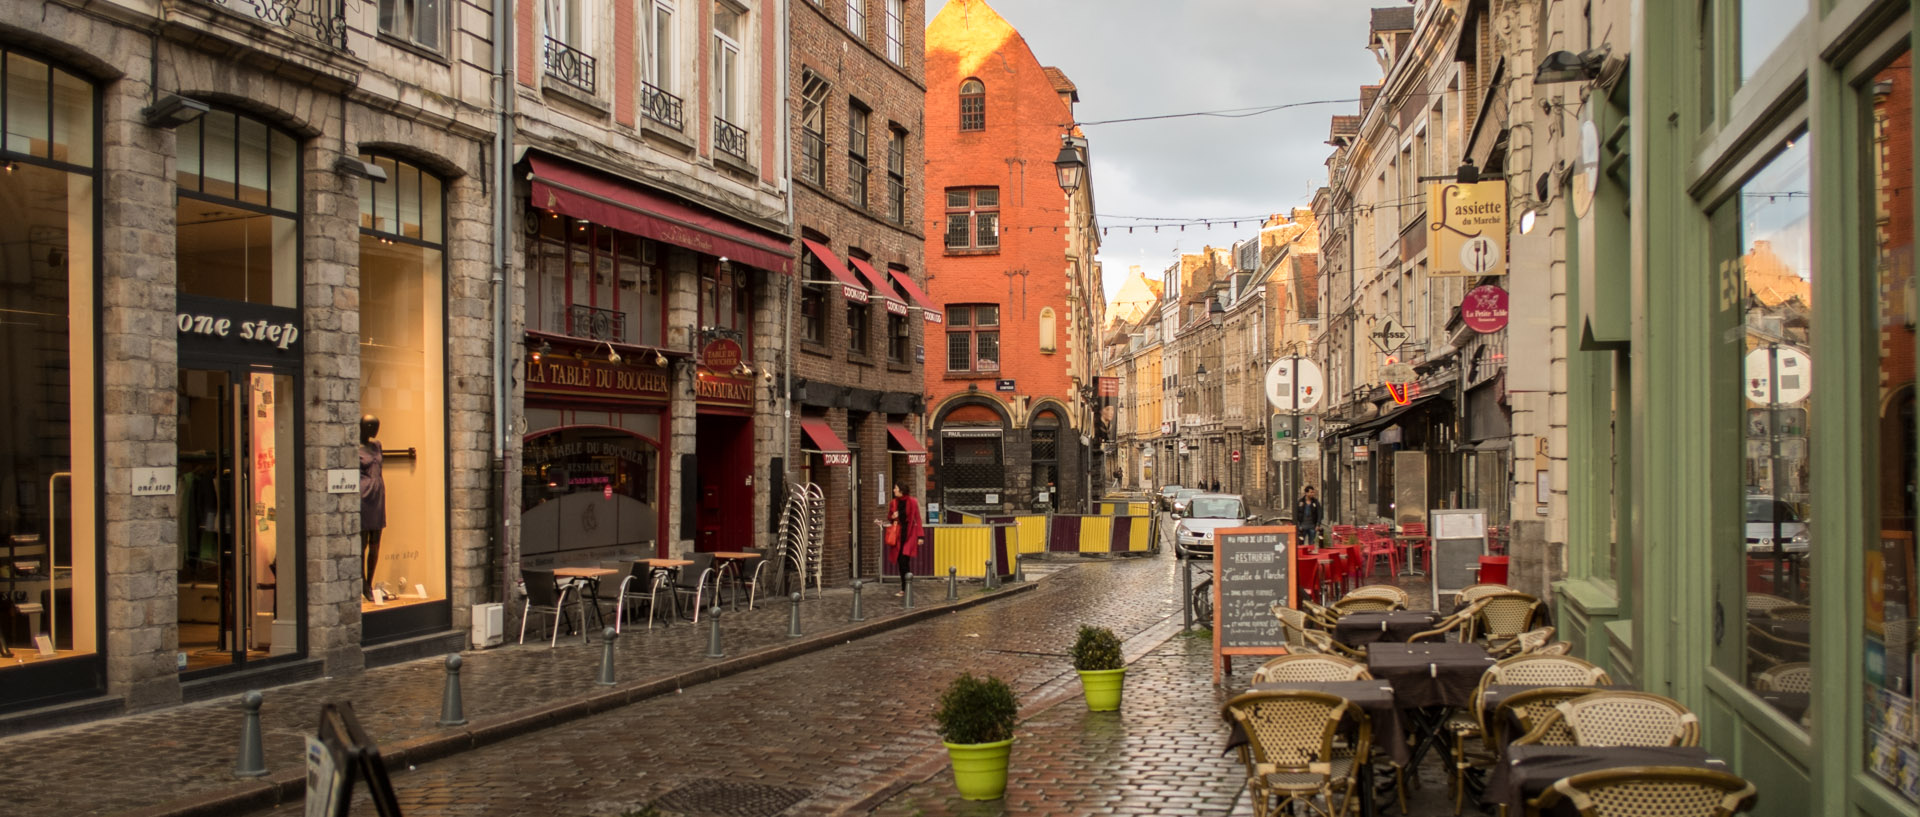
[{"x": 180, "y": 759}]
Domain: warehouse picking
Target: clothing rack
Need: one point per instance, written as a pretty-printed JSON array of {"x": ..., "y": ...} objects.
[{"x": 399, "y": 453}]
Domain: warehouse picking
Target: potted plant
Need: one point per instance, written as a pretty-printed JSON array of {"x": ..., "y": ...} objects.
[
  {"x": 975, "y": 718},
  {"x": 1096, "y": 655}
]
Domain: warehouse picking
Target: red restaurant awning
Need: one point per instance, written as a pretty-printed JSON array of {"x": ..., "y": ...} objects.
[
  {"x": 920, "y": 299},
  {"x": 902, "y": 440},
  {"x": 824, "y": 441},
  {"x": 604, "y": 199},
  {"x": 850, "y": 287},
  {"x": 878, "y": 283}
]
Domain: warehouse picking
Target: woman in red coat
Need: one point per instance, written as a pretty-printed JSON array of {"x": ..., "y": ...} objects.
[{"x": 903, "y": 511}]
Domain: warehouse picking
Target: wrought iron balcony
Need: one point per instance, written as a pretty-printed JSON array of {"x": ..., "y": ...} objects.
[
  {"x": 598, "y": 324},
  {"x": 813, "y": 157},
  {"x": 569, "y": 65},
  {"x": 730, "y": 138},
  {"x": 318, "y": 21},
  {"x": 662, "y": 107}
]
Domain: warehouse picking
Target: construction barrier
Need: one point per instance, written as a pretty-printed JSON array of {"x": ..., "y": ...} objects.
[
  {"x": 1124, "y": 508},
  {"x": 1074, "y": 533},
  {"x": 965, "y": 548}
]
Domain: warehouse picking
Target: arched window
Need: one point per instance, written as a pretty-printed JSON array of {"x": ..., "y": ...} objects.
[{"x": 973, "y": 105}]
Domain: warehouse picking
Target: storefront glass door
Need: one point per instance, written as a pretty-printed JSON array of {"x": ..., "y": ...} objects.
[{"x": 239, "y": 570}]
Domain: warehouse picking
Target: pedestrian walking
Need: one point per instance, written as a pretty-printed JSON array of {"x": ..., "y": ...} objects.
[
  {"x": 902, "y": 531},
  {"x": 1306, "y": 517}
]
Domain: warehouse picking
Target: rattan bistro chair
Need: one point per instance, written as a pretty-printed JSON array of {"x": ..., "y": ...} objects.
[
  {"x": 1319, "y": 615},
  {"x": 1505, "y": 616},
  {"x": 1650, "y": 791},
  {"x": 1461, "y": 622},
  {"x": 1543, "y": 670},
  {"x": 1303, "y": 637},
  {"x": 1301, "y": 745},
  {"x": 1527, "y": 643},
  {"x": 1522, "y": 716},
  {"x": 1310, "y": 667},
  {"x": 1400, "y": 596},
  {"x": 1794, "y": 677},
  {"x": 1474, "y": 592},
  {"x": 1620, "y": 717}
]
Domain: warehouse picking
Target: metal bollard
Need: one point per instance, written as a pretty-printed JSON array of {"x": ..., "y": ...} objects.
[
  {"x": 713, "y": 633},
  {"x": 953, "y": 583},
  {"x": 252, "y": 762},
  {"x": 1186, "y": 594},
  {"x": 1019, "y": 567},
  {"x": 452, "y": 712},
  {"x": 856, "y": 615},
  {"x": 606, "y": 657},
  {"x": 993, "y": 580},
  {"x": 793, "y": 617},
  {"x": 909, "y": 602}
]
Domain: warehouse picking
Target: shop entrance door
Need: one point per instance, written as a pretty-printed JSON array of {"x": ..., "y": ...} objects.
[{"x": 239, "y": 573}]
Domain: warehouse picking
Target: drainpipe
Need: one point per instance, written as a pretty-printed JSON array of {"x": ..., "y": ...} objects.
[
  {"x": 503, "y": 137},
  {"x": 786, "y": 168}
]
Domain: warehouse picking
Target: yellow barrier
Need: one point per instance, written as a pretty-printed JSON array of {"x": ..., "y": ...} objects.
[
  {"x": 1096, "y": 534},
  {"x": 1139, "y": 538},
  {"x": 1030, "y": 533},
  {"x": 965, "y": 547}
]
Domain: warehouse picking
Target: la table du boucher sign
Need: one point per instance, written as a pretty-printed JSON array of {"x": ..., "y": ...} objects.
[{"x": 1253, "y": 569}]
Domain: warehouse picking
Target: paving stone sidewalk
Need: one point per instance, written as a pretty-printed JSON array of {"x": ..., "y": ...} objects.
[{"x": 162, "y": 761}]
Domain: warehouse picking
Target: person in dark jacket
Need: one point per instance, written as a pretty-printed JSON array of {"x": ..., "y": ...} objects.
[{"x": 1306, "y": 516}]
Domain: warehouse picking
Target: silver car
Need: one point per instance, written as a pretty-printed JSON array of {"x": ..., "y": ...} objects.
[
  {"x": 1193, "y": 536},
  {"x": 1765, "y": 516}
]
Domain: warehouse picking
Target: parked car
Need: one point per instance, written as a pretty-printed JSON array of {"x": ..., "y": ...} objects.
[
  {"x": 1193, "y": 536},
  {"x": 1166, "y": 496},
  {"x": 1763, "y": 514},
  {"x": 1180, "y": 498}
]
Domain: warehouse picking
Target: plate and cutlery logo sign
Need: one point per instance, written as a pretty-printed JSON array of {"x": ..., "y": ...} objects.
[{"x": 1469, "y": 225}]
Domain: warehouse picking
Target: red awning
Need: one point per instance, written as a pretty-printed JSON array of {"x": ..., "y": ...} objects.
[
  {"x": 920, "y": 299},
  {"x": 850, "y": 287},
  {"x": 603, "y": 199},
  {"x": 824, "y": 441},
  {"x": 902, "y": 440},
  {"x": 879, "y": 284}
]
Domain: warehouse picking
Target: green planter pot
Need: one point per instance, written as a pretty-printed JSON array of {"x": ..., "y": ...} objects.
[
  {"x": 1103, "y": 688},
  {"x": 980, "y": 769}
]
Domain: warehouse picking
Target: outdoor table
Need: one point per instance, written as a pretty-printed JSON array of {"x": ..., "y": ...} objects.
[
  {"x": 1374, "y": 698},
  {"x": 589, "y": 577},
  {"x": 1494, "y": 694},
  {"x": 667, "y": 568},
  {"x": 1790, "y": 629},
  {"x": 1405, "y": 543},
  {"x": 1429, "y": 679},
  {"x": 1396, "y": 626},
  {"x": 728, "y": 561},
  {"x": 1791, "y": 704},
  {"x": 1526, "y": 771}
]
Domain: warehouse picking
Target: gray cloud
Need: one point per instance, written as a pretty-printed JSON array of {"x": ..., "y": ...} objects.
[{"x": 1149, "y": 57}]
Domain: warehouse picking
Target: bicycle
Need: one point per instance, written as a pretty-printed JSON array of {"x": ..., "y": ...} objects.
[{"x": 1201, "y": 598}]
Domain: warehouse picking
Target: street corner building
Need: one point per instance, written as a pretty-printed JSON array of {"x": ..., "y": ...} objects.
[
  {"x": 228, "y": 235},
  {"x": 1011, "y": 380}
]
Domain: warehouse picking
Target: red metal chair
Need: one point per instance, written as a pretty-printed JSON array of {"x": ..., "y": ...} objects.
[
  {"x": 1345, "y": 535},
  {"x": 1493, "y": 570},
  {"x": 1373, "y": 545}
]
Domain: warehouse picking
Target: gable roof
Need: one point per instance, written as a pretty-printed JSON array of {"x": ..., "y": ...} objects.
[{"x": 1060, "y": 82}]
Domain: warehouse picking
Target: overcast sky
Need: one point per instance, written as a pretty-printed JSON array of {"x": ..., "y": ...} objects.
[{"x": 1150, "y": 57}]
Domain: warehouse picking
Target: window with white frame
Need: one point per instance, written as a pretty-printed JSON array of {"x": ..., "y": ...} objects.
[
  {"x": 419, "y": 22},
  {"x": 729, "y": 80},
  {"x": 659, "y": 64},
  {"x": 973, "y": 218},
  {"x": 896, "y": 31},
  {"x": 565, "y": 50},
  {"x": 857, "y": 18}
]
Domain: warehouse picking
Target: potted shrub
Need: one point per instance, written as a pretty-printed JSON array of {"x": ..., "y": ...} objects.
[
  {"x": 976, "y": 719},
  {"x": 1096, "y": 655}
]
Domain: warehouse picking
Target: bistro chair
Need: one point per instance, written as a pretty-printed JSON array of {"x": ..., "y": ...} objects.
[
  {"x": 746, "y": 572},
  {"x": 701, "y": 574},
  {"x": 1766, "y": 650},
  {"x": 1529, "y": 714},
  {"x": 1295, "y": 749},
  {"x": 1791, "y": 612},
  {"x": 1649, "y": 791},
  {"x": 1399, "y": 596},
  {"x": 1545, "y": 670},
  {"x": 1620, "y": 717},
  {"x": 1302, "y": 637},
  {"x": 1481, "y": 591},
  {"x": 1793, "y": 677},
  {"x": 1414, "y": 535},
  {"x": 1364, "y": 604},
  {"x": 1319, "y": 615},
  {"x": 1556, "y": 648},
  {"x": 1504, "y": 616},
  {"x": 1375, "y": 544},
  {"x": 1311, "y": 668},
  {"x": 1523, "y": 644},
  {"x": 1461, "y": 621},
  {"x": 642, "y": 583},
  {"x": 1761, "y": 603},
  {"x": 544, "y": 596}
]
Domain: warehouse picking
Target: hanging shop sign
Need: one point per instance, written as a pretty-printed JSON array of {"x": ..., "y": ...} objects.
[
  {"x": 1359, "y": 453},
  {"x": 720, "y": 355},
  {"x": 1109, "y": 387},
  {"x": 1388, "y": 335},
  {"x": 1469, "y": 225},
  {"x": 721, "y": 389},
  {"x": 1485, "y": 309},
  {"x": 587, "y": 377}
]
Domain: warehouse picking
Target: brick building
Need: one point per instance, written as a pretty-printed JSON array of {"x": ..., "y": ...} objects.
[
  {"x": 855, "y": 71},
  {"x": 1010, "y": 259}
]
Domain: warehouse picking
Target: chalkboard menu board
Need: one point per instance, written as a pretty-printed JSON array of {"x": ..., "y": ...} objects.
[
  {"x": 1459, "y": 540},
  {"x": 1253, "y": 569}
]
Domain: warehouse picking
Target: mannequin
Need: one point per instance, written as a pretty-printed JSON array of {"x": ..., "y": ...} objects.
[{"x": 373, "y": 501}]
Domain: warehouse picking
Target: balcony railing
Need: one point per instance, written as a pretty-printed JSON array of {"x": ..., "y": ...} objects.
[
  {"x": 598, "y": 324},
  {"x": 662, "y": 107},
  {"x": 569, "y": 65},
  {"x": 813, "y": 157},
  {"x": 730, "y": 138},
  {"x": 319, "y": 21}
]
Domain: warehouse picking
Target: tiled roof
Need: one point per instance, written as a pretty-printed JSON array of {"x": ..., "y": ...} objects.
[{"x": 1060, "y": 82}]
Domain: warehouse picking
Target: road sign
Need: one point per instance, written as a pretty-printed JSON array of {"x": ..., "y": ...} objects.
[
  {"x": 1309, "y": 451},
  {"x": 1236, "y": 455},
  {"x": 1309, "y": 426},
  {"x": 1294, "y": 384},
  {"x": 1388, "y": 335},
  {"x": 1283, "y": 426},
  {"x": 1795, "y": 372}
]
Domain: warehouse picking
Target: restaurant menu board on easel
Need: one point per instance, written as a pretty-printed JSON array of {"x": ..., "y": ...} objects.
[
  {"x": 1253, "y": 569},
  {"x": 1459, "y": 540}
]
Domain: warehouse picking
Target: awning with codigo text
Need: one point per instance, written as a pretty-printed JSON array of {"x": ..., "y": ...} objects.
[
  {"x": 600, "y": 198},
  {"x": 824, "y": 442},
  {"x": 920, "y": 299},
  {"x": 850, "y": 286},
  {"x": 900, "y": 440},
  {"x": 879, "y": 284}
]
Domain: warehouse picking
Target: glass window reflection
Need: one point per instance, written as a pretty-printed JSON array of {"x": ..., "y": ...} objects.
[{"x": 1764, "y": 24}]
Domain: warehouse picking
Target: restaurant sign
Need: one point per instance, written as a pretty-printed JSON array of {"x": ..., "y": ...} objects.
[
  {"x": 587, "y": 377},
  {"x": 723, "y": 389},
  {"x": 720, "y": 355},
  {"x": 1485, "y": 309},
  {"x": 1469, "y": 224}
]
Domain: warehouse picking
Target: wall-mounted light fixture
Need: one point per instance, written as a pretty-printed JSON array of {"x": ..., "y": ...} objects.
[
  {"x": 1566, "y": 66},
  {"x": 172, "y": 111},
  {"x": 659, "y": 359},
  {"x": 354, "y": 166},
  {"x": 613, "y": 355},
  {"x": 541, "y": 351}
]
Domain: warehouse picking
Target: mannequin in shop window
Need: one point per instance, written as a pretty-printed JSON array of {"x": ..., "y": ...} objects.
[{"x": 373, "y": 502}]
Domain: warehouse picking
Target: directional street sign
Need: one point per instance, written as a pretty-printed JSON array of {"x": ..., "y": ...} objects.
[
  {"x": 1388, "y": 335},
  {"x": 1294, "y": 384}
]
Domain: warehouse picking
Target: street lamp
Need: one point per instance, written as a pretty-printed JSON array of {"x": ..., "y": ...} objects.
[
  {"x": 1216, "y": 312},
  {"x": 1069, "y": 166}
]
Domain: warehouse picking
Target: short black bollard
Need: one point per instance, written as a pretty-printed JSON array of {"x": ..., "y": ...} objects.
[
  {"x": 793, "y": 616},
  {"x": 713, "y": 633},
  {"x": 856, "y": 615},
  {"x": 1019, "y": 567},
  {"x": 452, "y": 712},
  {"x": 252, "y": 762},
  {"x": 606, "y": 657},
  {"x": 908, "y": 604},
  {"x": 993, "y": 582},
  {"x": 953, "y": 583}
]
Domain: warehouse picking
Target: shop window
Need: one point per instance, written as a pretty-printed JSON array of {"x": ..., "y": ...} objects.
[
  {"x": 238, "y": 231},
  {"x": 973, "y": 218},
  {"x": 597, "y": 283},
  {"x": 973, "y": 338},
  {"x": 50, "y": 556},
  {"x": 402, "y": 376},
  {"x": 813, "y": 300},
  {"x": 973, "y": 105},
  {"x": 591, "y": 490},
  {"x": 1892, "y": 596},
  {"x": 414, "y": 21},
  {"x": 1766, "y": 287}
]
